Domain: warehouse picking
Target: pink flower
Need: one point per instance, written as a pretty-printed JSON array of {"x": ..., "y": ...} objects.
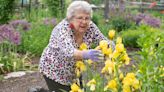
[{"x": 152, "y": 4}]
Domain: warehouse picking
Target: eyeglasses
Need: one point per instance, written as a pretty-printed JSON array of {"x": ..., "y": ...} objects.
[{"x": 87, "y": 19}]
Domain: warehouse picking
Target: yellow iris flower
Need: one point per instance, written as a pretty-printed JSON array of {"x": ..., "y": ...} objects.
[
  {"x": 107, "y": 51},
  {"x": 126, "y": 59},
  {"x": 92, "y": 84},
  {"x": 109, "y": 67},
  {"x": 111, "y": 85},
  {"x": 111, "y": 34},
  {"x": 119, "y": 47},
  {"x": 115, "y": 54},
  {"x": 103, "y": 44},
  {"x": 78, "y": 72},
  {"x": 130, "y": 80},
  {"x": 83, "y": 46},
  {"x": 136, "y": 84},
  {"x": 89, "y": 61},
  {"x": 121, "y": 76},
  {"x": 80, "y": 67},
  {"x": 97, "y": 48},
  {"x": 75, "y": 88},
  {"x": 126, "y": 88},
  {"x": 118, "y": 40}
]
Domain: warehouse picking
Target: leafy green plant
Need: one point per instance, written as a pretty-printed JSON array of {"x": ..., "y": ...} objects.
[
  {"x": 10, "y": 59},
  {"x": 151, "y": 65}
]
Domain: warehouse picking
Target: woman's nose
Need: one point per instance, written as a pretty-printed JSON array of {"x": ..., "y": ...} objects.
[{"x": 84, "y": 21}]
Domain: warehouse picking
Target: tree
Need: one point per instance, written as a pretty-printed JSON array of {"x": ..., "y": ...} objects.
[{"x": 106, "y": 10}]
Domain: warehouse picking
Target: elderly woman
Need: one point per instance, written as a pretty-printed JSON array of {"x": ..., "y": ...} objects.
[{"x": 59, "y": 57}]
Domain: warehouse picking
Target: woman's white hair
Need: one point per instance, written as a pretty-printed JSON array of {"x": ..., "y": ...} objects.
[{"x": 78, "y": 6}]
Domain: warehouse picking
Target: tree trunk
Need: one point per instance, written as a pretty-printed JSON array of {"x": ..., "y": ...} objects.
[{"x": 106, "y": 10}]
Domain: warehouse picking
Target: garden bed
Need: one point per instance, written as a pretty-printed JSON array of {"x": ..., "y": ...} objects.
[{"x": 33, "y": 79}]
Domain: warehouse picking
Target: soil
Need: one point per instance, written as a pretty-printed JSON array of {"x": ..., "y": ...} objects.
[
  {"x": 30, "y": 80},
  {"x": 22, "y": 84}
]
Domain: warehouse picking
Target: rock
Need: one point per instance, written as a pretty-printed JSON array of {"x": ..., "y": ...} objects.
[
  {"x": 37, "y": 89},
  {"x": 32, "y": 90},
  {"x": 15, "y": 74},
  {"x": 1, "y": 65}
]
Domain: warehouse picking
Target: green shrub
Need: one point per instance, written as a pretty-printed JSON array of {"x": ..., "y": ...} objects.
[
  {"x": 120, "y": 24},
  {"x": 6, "y": 10},
  {"x": 130, "y": 37}
]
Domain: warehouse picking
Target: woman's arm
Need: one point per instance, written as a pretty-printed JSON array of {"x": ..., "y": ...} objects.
[
  {"x": 94, "y": 55},
  {"x": 78, "y": 55}
]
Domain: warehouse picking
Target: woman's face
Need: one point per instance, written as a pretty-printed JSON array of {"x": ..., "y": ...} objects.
[{"x": 81, "y": 21}]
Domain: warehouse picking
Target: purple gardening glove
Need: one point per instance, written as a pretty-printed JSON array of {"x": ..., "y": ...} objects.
[{"x": 94, "y": 55}]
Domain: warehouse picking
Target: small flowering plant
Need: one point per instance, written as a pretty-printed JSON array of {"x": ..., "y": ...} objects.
[
  {"x": 107, "y": 76},
  {"x": 11, "y": 36}
]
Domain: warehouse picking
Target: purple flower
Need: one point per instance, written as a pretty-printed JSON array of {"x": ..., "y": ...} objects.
[
  {"x": 53, "y": 21},
  {"x": 23, "y": 24},
  {"x": 154, "y": 22},
  {"x": 16, "y": 38},
  {"x": 48, "y": 21},
  {"x": 138, "y": 18},
  {"x": 147, "y": 19},
  {"x": 6, "y": 30},
  {"x": 8, "y": 33}
]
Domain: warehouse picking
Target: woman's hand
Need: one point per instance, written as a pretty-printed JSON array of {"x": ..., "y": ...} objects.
[{"x": 94, "y": 55}]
